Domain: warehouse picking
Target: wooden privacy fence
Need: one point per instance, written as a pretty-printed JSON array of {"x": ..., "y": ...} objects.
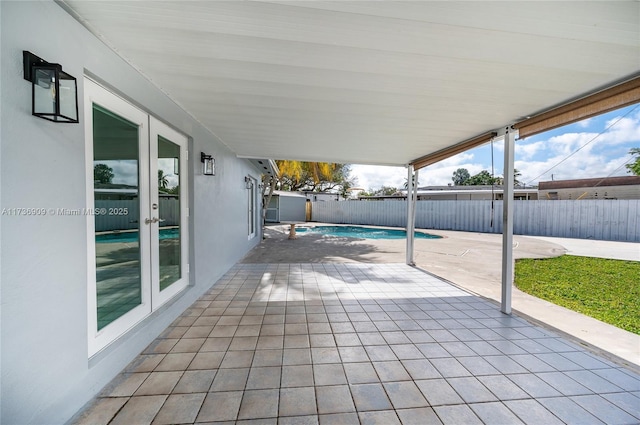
[{"x": 613, "y": 220}]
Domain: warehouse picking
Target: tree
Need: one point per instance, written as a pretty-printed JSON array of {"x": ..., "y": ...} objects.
[
  {"x": 634, "y": 167},
  {"x": 516, "y": 174},
  {"x": 482, "y": 178},
  {"x": 163, "y": 182},
  {"x": 314, "y": 176},
  {"x": 461, "y": 176},
  {"x": 383, "y": 191},
  {"x": 102, "y": 173},
  {"x": 406, "y": 183}
]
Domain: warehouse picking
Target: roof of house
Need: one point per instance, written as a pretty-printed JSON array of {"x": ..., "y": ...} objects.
[{"x": 595, "y": 182}]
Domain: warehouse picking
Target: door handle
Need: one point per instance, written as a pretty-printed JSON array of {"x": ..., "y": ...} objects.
[{"x": 151, "y": 220}]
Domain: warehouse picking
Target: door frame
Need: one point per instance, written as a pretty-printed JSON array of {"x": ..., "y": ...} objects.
[
  {"x": 151, "y": 296},
  {"x": 158, "y": 128}
]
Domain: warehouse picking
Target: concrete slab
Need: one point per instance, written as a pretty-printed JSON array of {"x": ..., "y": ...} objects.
[{"x": 629, "y": 251}]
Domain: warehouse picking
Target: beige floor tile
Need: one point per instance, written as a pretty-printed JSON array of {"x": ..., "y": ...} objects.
[
  {"x": 385, "y": 417},
  {"x": 145, "y": 363},
  {"x": 124, "y": 385},
  {"x": 102, "y": 411},
  {"x": 297, "y": 401},
  {"x": 159, "y": 383},
  {"x": 237, "y": 359},
  {"x": 175, "y": 361},
  {"x": 297, "y": 376},
  {"x": 264, "y": 378},
  {"x": 188, "y": 345},
  {"x": 139, "y": 410},
  {"x": 221, "y": 406},
  {"x": 179, "y": 408},
  {"x": 216, "y": 344},
  {"x": 259, "y": 404},
  {"x": 207, "y": 360},
  {"x": 195, "y": 381},
  {"x": 296, "y": 356},
  {"x": 329, "y": 374},
  {"x": 334, "y": 399},
  {"x": 230, "y": 379},
  {"x": 267, "y": 358},
  {"x": 340, "y": 419}
]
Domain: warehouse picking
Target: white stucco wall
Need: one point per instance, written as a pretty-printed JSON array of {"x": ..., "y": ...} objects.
[{"x": 45, "y": 373}]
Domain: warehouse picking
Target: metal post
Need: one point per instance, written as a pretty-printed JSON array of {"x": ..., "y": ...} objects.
[
  {"x": 507, "y": 220},
  {"x": 410, "y": 215}
]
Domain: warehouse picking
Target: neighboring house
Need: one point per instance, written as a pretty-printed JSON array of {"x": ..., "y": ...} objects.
[
  {"x": 93, "y": 272},
  {"x": 459, "y": 193},
  {"x": 622, "y": 187}
]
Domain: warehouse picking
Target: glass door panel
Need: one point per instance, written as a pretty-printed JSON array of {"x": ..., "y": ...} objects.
[
  {"x": 169, "y": 260},
  {"x": 119, "y": 257},
  {"x": 251, "y": 216},
  {"x": 116, "y": 199},
  {"x": 169, "y": 212}
]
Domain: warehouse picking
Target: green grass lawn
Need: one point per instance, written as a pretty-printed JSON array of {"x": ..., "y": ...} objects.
[{"x": 607, "y": 290}]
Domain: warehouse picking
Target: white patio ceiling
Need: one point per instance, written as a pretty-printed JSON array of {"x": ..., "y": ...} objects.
[{"x": 367, "y": 82}]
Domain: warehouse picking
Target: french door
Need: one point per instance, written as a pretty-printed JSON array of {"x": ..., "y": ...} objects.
[{"x": 136, "y": 214}]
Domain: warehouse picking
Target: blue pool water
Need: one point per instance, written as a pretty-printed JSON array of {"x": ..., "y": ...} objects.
[
  {"x": 132, "y": 237},
  {"x": 362, "y": 232}
]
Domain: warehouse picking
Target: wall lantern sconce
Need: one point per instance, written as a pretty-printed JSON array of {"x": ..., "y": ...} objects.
[
  {"x": 54, "y": 93},
  {"x": 208, "y": 164},
  {"x": 248, "y": 184}
]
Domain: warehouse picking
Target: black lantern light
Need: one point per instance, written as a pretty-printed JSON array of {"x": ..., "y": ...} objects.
[
  {"x": 208, "y": 164},
  {"x": 54, "y": 93}
]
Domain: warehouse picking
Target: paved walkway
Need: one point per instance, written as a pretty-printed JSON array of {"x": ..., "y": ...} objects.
[
  {"x": 629, "y": 251},
  {"x": 360, "y": 344}
]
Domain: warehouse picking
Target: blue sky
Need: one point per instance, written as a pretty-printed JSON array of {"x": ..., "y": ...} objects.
[{"x": 606, "y": 140}]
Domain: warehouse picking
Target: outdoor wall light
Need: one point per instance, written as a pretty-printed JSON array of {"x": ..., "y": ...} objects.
[
  {"x": 54, "y": 93},
  {"x": 208, "y": 164},
  {"x": 248, "y": 184}
]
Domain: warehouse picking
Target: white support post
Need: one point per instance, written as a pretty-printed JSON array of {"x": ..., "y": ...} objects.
[
  {"x": 410, "y": 215},
  {"x": 507, "y": 220}
]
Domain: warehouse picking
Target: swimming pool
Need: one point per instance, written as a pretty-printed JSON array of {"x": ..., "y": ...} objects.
[
  {"x": 132, "y": 237},
  {"x": 362, "y": 232}
]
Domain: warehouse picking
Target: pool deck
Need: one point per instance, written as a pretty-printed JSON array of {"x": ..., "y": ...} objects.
[{"x": 323, "y": 331}]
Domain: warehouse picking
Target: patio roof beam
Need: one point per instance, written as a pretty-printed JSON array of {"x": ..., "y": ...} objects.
[
  {"x": 507, "y": 219},
  {"x": 442, "y": 154},
  {"x": 603, "y": 101}
]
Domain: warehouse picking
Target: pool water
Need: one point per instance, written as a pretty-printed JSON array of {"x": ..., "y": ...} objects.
[
  {"x": 362, "y": 232},
  {"x": 132, "y": 237}
]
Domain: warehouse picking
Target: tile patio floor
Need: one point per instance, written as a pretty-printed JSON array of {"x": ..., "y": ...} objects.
[{"x": 360, "y": 344}]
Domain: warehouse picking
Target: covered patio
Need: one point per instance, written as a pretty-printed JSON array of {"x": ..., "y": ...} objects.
[
  {"x": 237, "y": 85},
  {"x": 356, "y": 343}
]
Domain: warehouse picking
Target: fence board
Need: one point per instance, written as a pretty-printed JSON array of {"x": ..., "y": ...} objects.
[{"x": 616, "y": 220}]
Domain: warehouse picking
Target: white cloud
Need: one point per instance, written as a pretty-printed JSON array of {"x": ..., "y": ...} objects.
[
  {"x": 625, "y": 130},
  {"x": 374, "y": 177},
  {"x": 528, "y": 151},
  {"x": 584, "y": 123}
]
